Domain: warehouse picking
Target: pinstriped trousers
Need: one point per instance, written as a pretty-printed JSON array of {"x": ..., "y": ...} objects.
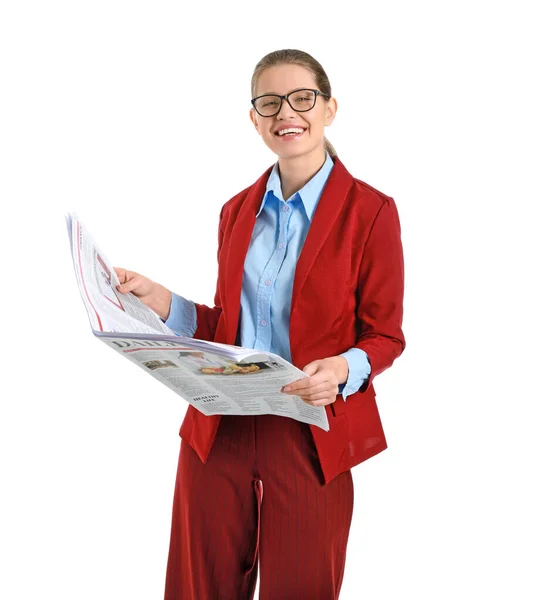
[{"x": 258, "y": 502}]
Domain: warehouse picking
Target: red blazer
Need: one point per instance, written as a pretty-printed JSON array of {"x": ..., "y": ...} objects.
[{"x": 347, "y": 292}]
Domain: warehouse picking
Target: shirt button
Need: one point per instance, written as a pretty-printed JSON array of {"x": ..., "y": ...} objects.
[
  {"x": 267, "y": 282},
  {"x": 285, "y": 208},
  {"x": 281, "y": 245},
  {"x": 263, "y": 323}
]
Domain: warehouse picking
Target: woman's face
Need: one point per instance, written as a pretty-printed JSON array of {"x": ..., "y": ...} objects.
[{"x": 281, "y": 80}]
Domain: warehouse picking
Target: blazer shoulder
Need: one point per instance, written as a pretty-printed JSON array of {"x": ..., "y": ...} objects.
[
  {"x": 358, "y": 188},
  {"x": 250, "y": 196},
  {"x": 232, "y": 206},
  {"x": 371, "y": 194},
  {"x": 238, "y": 199}
]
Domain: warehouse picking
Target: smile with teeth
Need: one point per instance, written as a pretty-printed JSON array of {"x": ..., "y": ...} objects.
[{"x": 290, "y": 131}]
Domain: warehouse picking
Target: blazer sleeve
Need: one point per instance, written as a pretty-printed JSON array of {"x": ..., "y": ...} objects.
[
  {"x": 208, "y": 317},
  {"x": 380, "y": 292}
]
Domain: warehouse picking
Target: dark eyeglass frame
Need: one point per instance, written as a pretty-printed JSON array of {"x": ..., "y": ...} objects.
[{"x": 285, "y": 97}]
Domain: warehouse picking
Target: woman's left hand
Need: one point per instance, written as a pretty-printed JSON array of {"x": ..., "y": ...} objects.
[{"x": 322, "y": 385}]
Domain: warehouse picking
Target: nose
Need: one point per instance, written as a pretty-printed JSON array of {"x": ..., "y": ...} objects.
[{"x": 285, "y": 110}]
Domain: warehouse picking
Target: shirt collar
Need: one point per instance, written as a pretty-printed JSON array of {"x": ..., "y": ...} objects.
[{"x": 310, "y": 193}]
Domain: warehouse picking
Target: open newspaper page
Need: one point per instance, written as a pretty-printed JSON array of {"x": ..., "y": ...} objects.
[
  {"x": 107, "y": 309},
  {"x": 218, "y": 384},
  {"x": 215, "y": 378}
]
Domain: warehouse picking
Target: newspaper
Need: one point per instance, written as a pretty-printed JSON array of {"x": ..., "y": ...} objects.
[{"x": 217, "y": 379}]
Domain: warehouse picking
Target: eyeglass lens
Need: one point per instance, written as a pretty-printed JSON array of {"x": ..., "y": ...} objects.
[{"x": 300, "y": 101}]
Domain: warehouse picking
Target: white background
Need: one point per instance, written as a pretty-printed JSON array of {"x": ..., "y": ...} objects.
[{"x": 107, "y": 109}]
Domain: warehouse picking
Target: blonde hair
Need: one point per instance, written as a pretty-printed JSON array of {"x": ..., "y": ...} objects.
[{"x": 295, "y": 57}]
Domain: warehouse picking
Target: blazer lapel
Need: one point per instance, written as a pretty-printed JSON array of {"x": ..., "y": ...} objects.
[
  {"x": 328, "y": 209},
  {"x": 238, "y": 247}
]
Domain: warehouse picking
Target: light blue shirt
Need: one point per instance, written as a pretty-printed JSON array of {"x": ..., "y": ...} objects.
[{"x": 274, "y": 249}]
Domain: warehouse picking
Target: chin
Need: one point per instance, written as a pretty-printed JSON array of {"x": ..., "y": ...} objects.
[{"x": 291, "y": 150}]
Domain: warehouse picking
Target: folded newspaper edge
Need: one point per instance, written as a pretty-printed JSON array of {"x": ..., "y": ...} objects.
[{"x": 213, "y": 377}]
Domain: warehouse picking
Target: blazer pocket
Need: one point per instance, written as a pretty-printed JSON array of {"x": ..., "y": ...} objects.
[{"x": 340, "y": 407}]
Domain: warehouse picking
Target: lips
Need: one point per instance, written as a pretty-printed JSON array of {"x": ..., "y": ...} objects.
[
  {"x": 291, "y": 127},
  {"x": 291, "y": 135}
]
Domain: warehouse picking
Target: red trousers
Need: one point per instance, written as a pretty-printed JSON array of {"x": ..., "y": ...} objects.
[{"x": 259, "y": 500}]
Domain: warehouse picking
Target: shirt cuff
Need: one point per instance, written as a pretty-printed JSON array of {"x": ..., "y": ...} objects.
[
  {"x": 182, "y": 317},
  {"x": 358, "y": 371}
]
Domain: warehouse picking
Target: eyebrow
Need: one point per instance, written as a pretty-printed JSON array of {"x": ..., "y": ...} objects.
[{"x": 294, "y": 90}]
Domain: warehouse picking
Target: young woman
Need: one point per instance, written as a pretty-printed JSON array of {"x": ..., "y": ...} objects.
[{"x": 310, "y": 266}]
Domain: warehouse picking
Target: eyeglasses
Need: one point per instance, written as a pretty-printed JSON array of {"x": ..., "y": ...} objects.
[{"x": 302, "y": 100}]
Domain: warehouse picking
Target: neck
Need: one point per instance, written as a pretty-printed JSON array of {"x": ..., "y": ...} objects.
[{"x": 296, "y": 171}]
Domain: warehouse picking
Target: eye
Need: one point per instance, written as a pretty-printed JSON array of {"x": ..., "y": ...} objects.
[{"x": 304, "y": 98}]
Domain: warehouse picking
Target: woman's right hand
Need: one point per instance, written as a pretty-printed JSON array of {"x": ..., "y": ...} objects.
[{"x": 152, "y": 294}]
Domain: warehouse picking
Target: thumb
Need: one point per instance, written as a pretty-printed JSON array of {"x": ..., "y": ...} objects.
[
  {"x": 312, "y": 367},
  {"x": 121, "y": 274}
]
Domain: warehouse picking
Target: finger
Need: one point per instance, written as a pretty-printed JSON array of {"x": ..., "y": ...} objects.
[
  {"x": 324, "y": 401},
  {"x": 324, "y": 387},
  {"x": 120, "y": 272},
  {"x": 129, "y": 285},
  {"x": 302, "y": 384},
  {"x": 305, "y": 385},
  {"x": 295, "y": 385},
  {"x": 319, "y": 395},
  {"x": 321, "y": 402},
  {"x": 312, "y": 367}
]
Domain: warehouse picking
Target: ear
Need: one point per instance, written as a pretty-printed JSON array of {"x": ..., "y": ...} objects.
[
  {"x": 253, "y": 117},
  {"x": 331, "y": 110}
]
